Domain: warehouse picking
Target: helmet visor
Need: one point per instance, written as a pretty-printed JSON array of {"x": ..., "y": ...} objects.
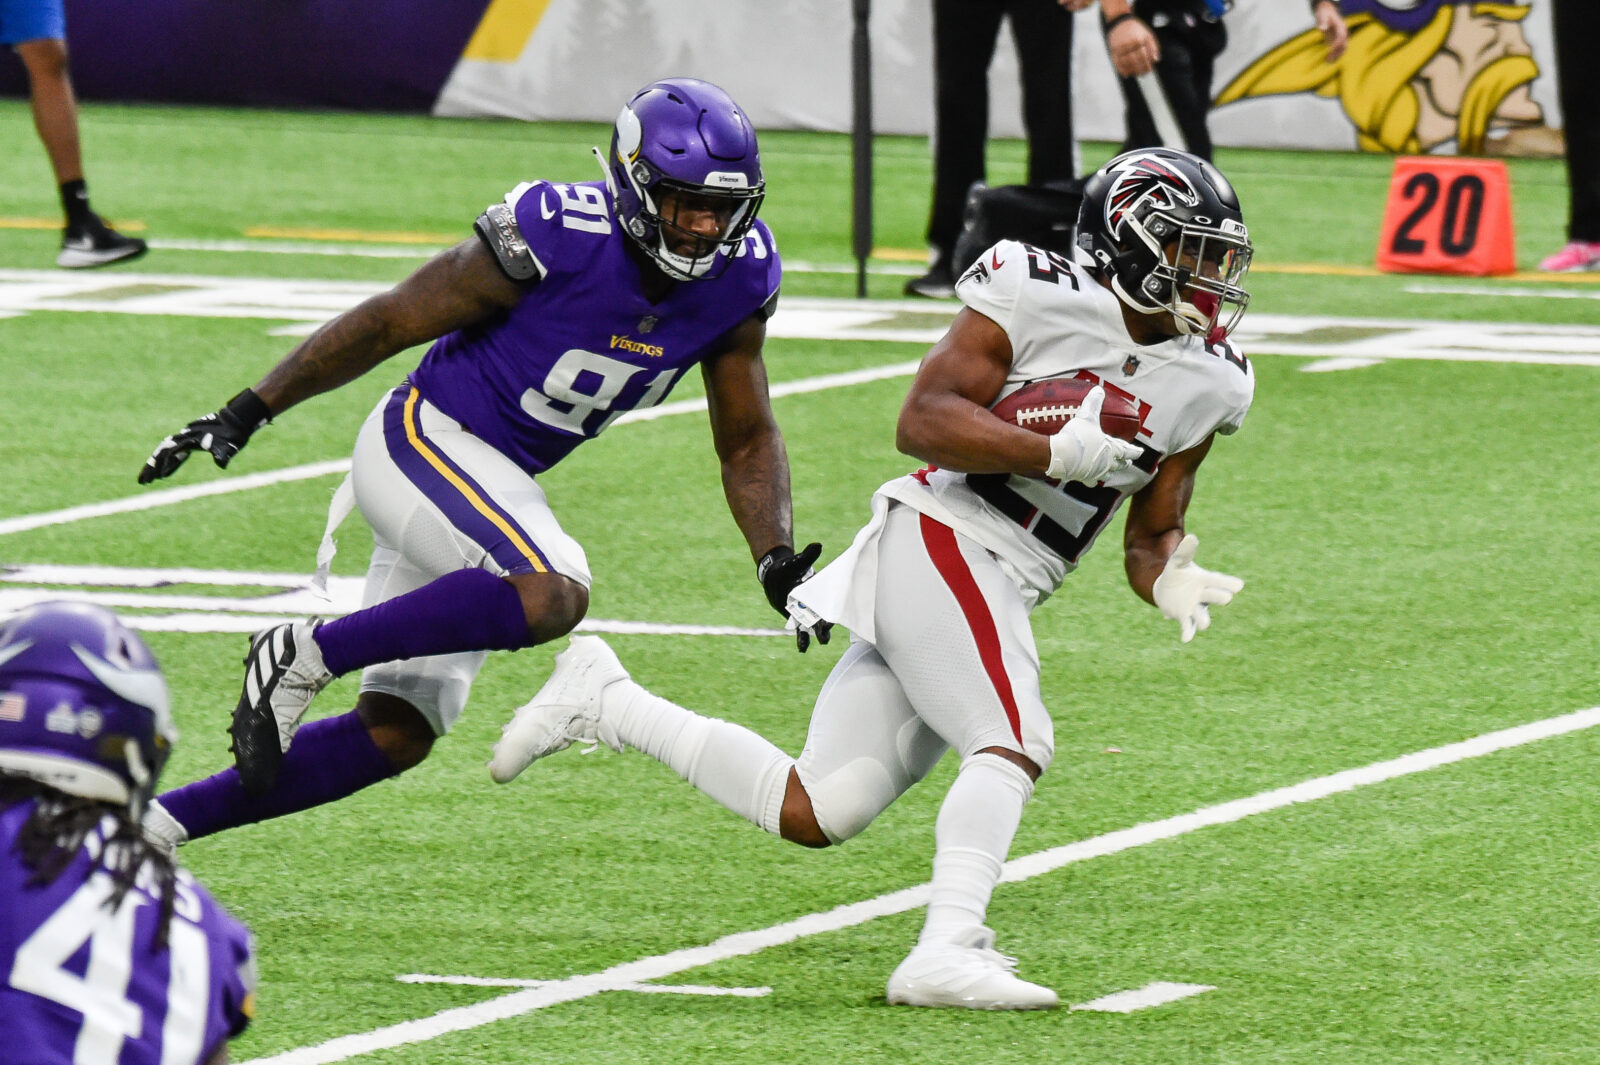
[
  {"x": 1207, "y": 268},
  {"x": 696, "y": 222}
]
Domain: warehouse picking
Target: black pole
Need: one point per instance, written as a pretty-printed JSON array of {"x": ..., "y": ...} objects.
[{"x": 861, "y": 143}]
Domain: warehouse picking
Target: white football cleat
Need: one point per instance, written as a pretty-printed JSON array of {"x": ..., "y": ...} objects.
[
  {"x": 966, "y": 973},
  {"x": 566, "y": 710}
]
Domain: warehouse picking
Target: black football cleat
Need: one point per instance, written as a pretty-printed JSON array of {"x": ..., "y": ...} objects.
[{"x": 283, "y": 672}]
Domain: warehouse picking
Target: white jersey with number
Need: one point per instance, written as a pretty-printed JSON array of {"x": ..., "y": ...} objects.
[
  {"x": 942, "y": 651},
  {"x": 1064, "y": 323}
]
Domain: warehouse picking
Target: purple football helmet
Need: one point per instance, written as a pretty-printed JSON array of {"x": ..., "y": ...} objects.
[
  {"x": 687, "y": 137},
  {"x": 1166, "y": 229},
  {"x": 83, "y": 705}
]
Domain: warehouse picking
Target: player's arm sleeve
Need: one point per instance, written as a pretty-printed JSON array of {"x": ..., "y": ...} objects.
[
  {"x": 499, "y": 229},
  {"x": 992, "y": 285}
]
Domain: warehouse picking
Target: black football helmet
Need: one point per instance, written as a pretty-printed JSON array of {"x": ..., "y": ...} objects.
[{"x": 1165, "y": 228}]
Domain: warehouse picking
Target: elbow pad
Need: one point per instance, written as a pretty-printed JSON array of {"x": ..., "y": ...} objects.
[{"x": 497, "y": 227}]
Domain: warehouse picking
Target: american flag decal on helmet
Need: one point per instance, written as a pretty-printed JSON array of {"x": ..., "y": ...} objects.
[{"x": 1146, "y": 179}]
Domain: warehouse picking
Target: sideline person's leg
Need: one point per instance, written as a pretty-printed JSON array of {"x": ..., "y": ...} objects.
[
  {"x": 1042, "y": 32},
  {"x": 86, "y": 239},
  {"x": 964, "y": 36}
]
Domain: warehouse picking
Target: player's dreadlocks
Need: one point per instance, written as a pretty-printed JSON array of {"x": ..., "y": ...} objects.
[{"x": 60, "y": 826}]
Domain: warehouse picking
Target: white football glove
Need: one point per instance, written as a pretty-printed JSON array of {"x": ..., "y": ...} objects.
[
  {"x": 1185, "y": 592},
  {"x": 1082, "y": 451}
]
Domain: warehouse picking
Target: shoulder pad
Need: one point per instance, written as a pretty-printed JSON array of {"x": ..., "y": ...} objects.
[{"x": 498, "y": 228}]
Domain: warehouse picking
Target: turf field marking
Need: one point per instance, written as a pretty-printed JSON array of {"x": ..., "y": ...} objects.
[
  {"x": 294, "y": 247},
  {"x": 284, "y": 597},
  {"x": 741, "y": 944},
  {"x": 647, "y": 989},
  {"x": 162, "y": 497},
  {"x": 1335, "y": 365},
  {"x": 166, "y": 496},
  {"x": 359, "y": 236},
  {"x": 1495, "y": 290},
  {"x": 1158, "y": 993},
  {"x": 311, "y": 302}
]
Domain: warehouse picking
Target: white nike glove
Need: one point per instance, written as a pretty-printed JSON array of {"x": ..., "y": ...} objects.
[
  {"x": 1185, "y": 592},
  {"x": 1082, "y": 451}
]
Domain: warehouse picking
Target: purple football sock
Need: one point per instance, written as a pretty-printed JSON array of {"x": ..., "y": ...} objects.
[
  {"x": 468, "y": 610},
  {"x": 328, "y": 760}
]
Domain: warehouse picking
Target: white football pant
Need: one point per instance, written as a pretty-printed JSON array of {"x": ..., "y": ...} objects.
[{"x": 440, "y": 499}]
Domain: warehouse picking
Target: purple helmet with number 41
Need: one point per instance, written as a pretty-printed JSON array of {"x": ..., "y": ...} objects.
[
  {"x": 83, "y": 705},
  {"x": 685, "y": 136}
]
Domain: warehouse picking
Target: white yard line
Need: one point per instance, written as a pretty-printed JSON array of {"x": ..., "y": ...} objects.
[
  {"x": 283, "y": 597},
  {"x": 740, "y": 944},
  {"x": 168, "y": 496},
  {"x": 267, "y": 246},
  {"x": 1158, "y": 993},
  {"x": 300, "y": 247},
  {"x": 647, "y": 989},
  {"x": 309, "y": 302},
  {"x": 1496, "y": 290}
]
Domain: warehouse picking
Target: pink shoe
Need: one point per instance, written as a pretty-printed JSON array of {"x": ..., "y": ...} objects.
[{"x": 1577, "y": 255}]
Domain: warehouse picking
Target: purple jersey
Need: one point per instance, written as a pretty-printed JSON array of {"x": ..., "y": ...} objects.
[
  {"x": 584, "y": 345},
  {"x": 84, "y": 985}
]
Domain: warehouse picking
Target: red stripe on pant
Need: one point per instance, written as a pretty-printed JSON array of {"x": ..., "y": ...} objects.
[{"x": 940, "y": 540}]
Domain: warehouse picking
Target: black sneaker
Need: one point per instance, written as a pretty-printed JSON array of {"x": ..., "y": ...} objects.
[
  {"x": 937, "y": 284},
  {"x": 96, "y": 244}
]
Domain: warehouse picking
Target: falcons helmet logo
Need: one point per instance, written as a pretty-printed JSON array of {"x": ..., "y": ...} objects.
[{"x": 1146, "y": 179}]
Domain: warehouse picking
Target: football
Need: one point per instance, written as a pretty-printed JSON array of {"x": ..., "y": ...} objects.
[{"x": 1047, "y": 406}]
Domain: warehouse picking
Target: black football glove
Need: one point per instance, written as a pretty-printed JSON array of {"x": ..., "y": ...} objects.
[
  {"x": 779, "y": 571},
  {"x": 222, "y": 433}
]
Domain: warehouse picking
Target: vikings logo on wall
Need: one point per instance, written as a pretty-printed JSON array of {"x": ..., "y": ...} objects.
[
  {"x": 1417, "y": 74},
  {"x": 1145, "y": 179}
]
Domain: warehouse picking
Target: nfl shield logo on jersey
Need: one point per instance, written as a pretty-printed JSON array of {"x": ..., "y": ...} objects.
[
  {"x": 647, "y": 323},
  {"x": 1130, "y": 366}
]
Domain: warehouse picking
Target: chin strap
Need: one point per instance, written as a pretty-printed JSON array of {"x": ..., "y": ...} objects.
[{"x": 605, "y": 171}]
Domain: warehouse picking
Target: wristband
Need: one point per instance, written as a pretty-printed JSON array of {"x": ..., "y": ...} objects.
[
  {"x": 249, "y": 409},
  {"x": 777, "y": 554},
  {"x": 1110, "y": 24}
]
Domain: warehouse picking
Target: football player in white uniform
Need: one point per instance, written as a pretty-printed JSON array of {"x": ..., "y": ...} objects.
[{"x": 938, "y": 588}]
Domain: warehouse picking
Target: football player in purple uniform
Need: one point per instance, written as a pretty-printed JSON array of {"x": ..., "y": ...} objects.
[
  {"x": 109, "y": 953},
  {"x": 572, "y": 304}
]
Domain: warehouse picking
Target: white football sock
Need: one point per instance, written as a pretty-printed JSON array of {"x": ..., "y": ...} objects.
[
  {"x": 977, "y": 822},
  {"x": 738, "y": 768}
]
